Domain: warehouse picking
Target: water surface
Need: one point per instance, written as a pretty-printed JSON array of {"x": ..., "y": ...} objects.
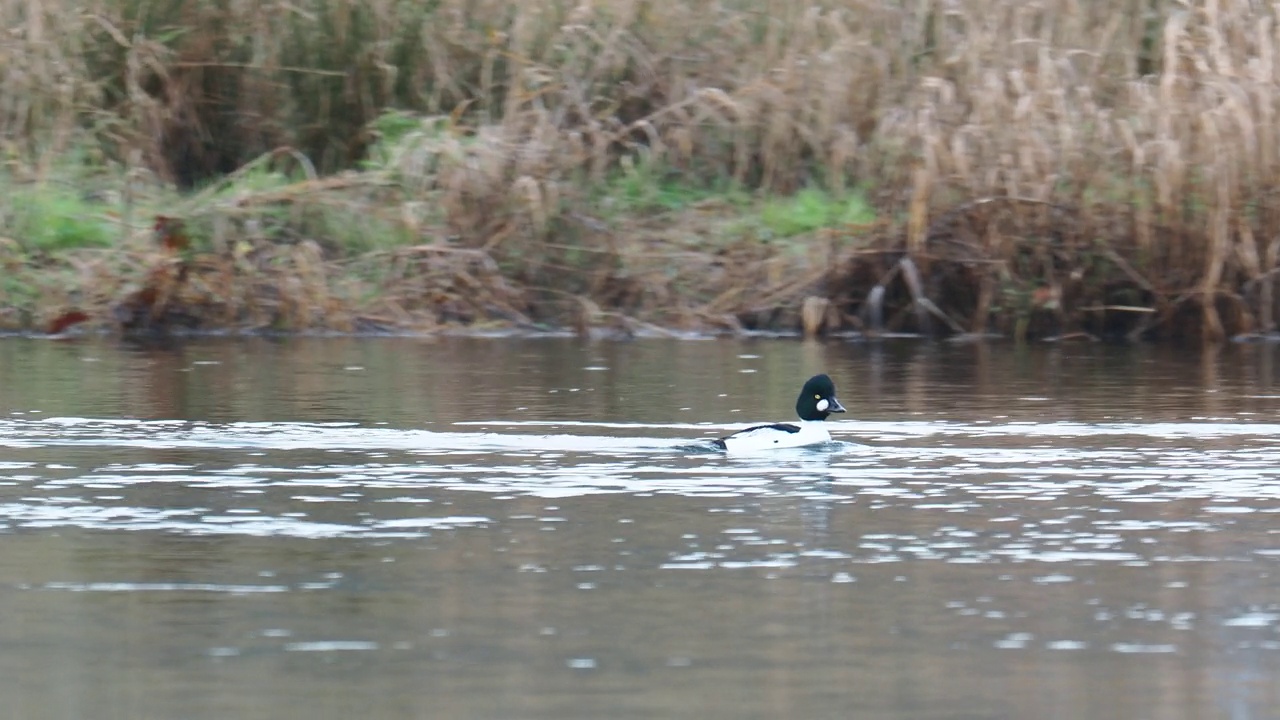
[{"x": 501, "y": 528}]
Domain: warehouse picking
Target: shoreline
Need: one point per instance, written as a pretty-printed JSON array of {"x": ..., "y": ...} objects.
[{"x": 693, "y": 271}]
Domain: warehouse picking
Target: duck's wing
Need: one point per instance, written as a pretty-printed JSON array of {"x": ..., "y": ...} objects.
[{"x": 747, "y": 432}]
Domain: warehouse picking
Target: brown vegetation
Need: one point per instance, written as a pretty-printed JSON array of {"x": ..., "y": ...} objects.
[{"x": 1040, "y": 168}]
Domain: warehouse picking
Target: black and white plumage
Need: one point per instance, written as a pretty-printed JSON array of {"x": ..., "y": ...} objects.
[{"x": 816, "y": 402}]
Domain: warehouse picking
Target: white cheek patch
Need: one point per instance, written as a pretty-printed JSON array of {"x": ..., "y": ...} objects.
[{"x": 823, "y": 405}]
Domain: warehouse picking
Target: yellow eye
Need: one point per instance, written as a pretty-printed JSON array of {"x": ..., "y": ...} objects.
[{"x": 817, "y": 397}]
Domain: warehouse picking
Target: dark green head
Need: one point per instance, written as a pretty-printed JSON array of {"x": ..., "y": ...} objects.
[{"x": 818, "y": 399}]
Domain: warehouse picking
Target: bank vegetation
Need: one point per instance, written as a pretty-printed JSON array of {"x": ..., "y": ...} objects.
[{"x": 1045, "y": 169}]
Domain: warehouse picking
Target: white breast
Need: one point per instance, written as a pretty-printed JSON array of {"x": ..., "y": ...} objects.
[{"x": 770, "y": 438}]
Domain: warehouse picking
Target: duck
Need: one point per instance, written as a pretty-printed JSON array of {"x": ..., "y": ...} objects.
[{"x": 817, "y": 400}]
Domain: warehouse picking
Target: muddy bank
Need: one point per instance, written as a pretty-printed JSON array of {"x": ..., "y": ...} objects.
[{"x": 1001, "y": 267}]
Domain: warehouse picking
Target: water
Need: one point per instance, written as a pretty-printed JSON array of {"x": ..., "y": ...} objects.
[{"x": 500, "y": 528}]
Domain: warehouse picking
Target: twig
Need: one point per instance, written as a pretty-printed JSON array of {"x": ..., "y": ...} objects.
[{"x": 1120, "y": 308}]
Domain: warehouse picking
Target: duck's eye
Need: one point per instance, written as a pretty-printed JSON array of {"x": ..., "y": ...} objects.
[{"x": 817, "y": 397}]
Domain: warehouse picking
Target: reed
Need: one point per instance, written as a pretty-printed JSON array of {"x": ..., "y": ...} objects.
[{"x": 1046, "y": 167}]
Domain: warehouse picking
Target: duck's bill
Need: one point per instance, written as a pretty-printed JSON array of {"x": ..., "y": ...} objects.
[{"x": 835, "y": 405}]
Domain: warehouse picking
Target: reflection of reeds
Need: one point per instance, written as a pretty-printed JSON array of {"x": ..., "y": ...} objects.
[{"x": 1040, "y": 159}]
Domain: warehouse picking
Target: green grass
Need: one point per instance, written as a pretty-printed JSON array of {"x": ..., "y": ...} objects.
[
  {"x": 813, "y": 209},
  {"x": 645, "y": 188},
  {"x": 52, "y": 218},
  {"x": 397, "y": 131},
  {"x": 642, "y": 188},
  {"x": 351, "y": 230}
]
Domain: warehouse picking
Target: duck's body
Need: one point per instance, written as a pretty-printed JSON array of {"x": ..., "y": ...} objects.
[
  {"x": 817, "y": 400},
  {"x": 777, "y": 436}
]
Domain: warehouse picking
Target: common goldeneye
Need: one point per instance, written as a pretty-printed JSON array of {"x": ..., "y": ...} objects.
[{"x": 817, "y": 400}]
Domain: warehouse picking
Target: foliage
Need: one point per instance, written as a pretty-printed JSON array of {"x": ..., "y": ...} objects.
[
  {"x": 811, "y": 209},
  {"x": 51, "y": 218}
]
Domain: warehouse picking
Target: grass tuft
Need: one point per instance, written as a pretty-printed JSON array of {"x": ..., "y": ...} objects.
[
  {"x": 810, "y": 210},
  {"x": 50, "y": 218}
]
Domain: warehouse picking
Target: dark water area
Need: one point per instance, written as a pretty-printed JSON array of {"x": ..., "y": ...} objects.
[{"x": 531, "y": 528}]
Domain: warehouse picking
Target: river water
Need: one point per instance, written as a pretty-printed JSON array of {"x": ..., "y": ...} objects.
[{"x": 534, "y": 528}]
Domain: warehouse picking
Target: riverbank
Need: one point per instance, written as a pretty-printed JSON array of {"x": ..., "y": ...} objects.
[
  {"x": 265, "y": 252},
  {"x": 976, "y": 167}
]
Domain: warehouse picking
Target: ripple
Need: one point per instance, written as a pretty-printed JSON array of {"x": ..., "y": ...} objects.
[
  {"x": 131, "y": 587},
  {"x": 330, "y": 646},
  {"x": 1050, "y": 493}
]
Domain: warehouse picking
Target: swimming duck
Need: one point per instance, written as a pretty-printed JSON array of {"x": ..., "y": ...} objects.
[{"x": 817, "y": 400}]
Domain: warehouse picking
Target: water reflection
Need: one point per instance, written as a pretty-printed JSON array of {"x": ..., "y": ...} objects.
[{"x": 461, "y": 528}]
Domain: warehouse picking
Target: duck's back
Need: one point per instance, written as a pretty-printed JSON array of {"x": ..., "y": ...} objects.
[{"x": 776, "y": 436}]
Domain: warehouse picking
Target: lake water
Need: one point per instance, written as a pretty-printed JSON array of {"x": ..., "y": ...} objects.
[{"x": 502, "y": 528}]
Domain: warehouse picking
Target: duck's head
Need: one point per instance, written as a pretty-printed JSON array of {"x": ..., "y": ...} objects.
[{"x": 818, "y": 399}]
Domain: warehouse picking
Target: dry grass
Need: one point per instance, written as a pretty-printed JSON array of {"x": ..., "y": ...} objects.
[{"x": 1047, "y": 167}]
